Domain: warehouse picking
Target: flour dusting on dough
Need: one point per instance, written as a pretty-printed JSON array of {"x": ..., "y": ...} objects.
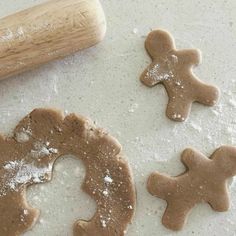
[
  {"x": 41, "y": 150},
  {"x": 22, "y": 137},
  {"x": 18, "y": 173},
  {"x": 104, "y": 221},
  {"x": 108, "y": 179},
  {"x": 156, "y": 75}
]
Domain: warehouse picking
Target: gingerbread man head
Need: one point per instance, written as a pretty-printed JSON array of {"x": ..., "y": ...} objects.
[
  {"x": 225, "y": 160},
  {"x": 158, "y": 43}
]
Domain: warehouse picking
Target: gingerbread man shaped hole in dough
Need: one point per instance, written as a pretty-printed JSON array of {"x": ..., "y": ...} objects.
[
  {"x": 173, "y": 68},
  {"x": 27, "y": 158},
  {"x": 205, "y": 180}
]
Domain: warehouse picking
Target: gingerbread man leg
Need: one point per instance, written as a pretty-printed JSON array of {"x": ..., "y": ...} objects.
[
  {"x": 222, "y": 203},
  {"x": 206, "y": 94},
  {"x": 175, "y": 214},
  {"x": 178, "y": 109}
]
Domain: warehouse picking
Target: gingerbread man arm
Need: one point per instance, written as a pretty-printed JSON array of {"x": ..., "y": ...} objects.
[
  {"x": 205, "y": 94},
  {"x": 160, "y": 185},
  {"x": 146, "y": 78},
  {"x": 192, "y": 159},
  {"x": 189, "y": 56},
  {"x": 220, "y": 200},
  {"x": 149, "y": 77}
]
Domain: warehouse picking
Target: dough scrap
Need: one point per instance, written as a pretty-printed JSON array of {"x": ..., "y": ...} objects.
[
  {"x": 27, "y": 158},
  {"x": 205, "y": 180},
  {"x": 173, "y": 68}
]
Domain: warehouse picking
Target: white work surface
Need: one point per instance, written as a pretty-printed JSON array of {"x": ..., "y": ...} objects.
[{"x": 103, "y": 83}]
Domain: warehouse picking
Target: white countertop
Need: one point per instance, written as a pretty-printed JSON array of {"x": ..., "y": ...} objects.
[{"x": 103, "y": 84}]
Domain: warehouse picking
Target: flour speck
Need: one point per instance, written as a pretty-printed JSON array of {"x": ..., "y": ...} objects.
[
  {"x": 22, "y": 137},
  {"x": 108, "y": 179}
]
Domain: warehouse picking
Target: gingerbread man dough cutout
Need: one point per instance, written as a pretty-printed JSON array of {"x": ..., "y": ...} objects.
[
  {"x": 27, "y": 158},
  {"x": 205, "y": 180},
  {"x": 173, "y": 68}
]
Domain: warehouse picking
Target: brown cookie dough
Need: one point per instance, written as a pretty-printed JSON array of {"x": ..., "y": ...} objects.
[
  {"x": 27, "y": 158},
  {"x": 205, "y": 180},
  {"x": 173, "y": 68}
]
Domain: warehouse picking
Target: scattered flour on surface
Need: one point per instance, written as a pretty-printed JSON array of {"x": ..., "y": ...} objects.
[
  {"x": 232, "y": 102},
  {"x": 135, "y": 30},
  {"x": 196, "y": 127},
  {"x": 133, "y": 108}
]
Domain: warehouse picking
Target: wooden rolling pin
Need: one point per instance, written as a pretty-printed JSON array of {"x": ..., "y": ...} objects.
[{"x": 48, "y": 31}]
